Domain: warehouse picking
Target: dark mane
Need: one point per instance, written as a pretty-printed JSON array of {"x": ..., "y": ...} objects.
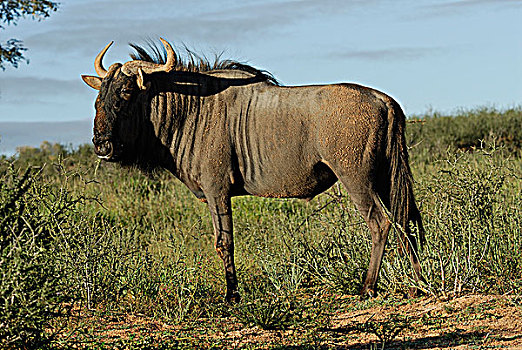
[{"x": 155, "y": 52}]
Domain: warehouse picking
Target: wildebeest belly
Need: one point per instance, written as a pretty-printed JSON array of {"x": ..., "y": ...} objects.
[
  {"x": 274, "y": 141},
  {"x": 298, "y": 181}
]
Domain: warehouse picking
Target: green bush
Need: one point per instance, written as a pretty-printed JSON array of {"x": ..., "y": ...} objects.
[
  {"x": 474, "y": 215},
  {"x": 31, "y": 289},
  {"x": 268, "y": 306},
  {"x": 471, "y": 206},
  {"x": 434, "y": 134},
  {"x": 144, "y": 245}
]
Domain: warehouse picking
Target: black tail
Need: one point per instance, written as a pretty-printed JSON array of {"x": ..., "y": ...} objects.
[{"x": 402, "y": 201}]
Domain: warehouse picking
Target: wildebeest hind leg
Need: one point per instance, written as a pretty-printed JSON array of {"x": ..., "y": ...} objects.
[
  {"x": 370, "y": 206},
  {"x": 221, "y": 212}
]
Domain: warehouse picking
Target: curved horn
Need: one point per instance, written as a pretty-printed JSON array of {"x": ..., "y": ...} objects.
[
  {"x": 131, "y": 67},
  {"x": 98, "y": 66},
  {"x": 169, "y": 65},
  {"x": 171, "y": 56}
]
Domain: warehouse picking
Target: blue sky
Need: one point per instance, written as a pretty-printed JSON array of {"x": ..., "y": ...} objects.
[{"x": 439, "y": 55}]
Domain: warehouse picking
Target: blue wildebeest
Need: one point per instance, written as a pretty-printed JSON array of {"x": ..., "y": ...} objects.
[{"x": 229, "y": 130}]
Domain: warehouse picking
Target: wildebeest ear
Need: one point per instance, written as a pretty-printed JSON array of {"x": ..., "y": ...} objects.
[
  {"x": 141, "y": 80},
  {"x": 94, "y": 82}
]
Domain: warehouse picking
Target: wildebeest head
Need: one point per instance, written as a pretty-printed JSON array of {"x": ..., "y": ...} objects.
[{"x": 119, "y": 104}]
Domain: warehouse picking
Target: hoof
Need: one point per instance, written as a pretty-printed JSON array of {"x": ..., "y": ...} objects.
[
  {"x": 367, "y": 293},
  {"x": 414, "y": 292},
  {"x": 232, "y": 298}
]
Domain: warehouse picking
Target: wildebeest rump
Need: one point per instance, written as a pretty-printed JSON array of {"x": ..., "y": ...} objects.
[{"x": 231, "y": 130}]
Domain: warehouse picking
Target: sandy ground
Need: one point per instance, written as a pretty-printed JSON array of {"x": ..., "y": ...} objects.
[{"x": 467, "y": 322}]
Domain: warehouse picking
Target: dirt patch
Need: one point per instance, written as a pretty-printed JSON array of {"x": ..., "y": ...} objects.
[
  {"x": 473, "y": 321},
  {"x": 468, "y": 322}
]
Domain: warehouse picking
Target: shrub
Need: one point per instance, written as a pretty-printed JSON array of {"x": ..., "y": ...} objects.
[
  {"x": 267, "y": 307},
  {"x": 435, "y": 134},
  {"x": 471, "y": 211},
  {"x": 31, "y": 292}
]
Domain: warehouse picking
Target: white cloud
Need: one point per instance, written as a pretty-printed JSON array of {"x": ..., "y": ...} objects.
[
  {"x": 395, "y": 53},
  {"x": 457, "y": 7}
]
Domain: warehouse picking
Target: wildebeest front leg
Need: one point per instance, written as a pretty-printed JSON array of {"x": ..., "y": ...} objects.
[{"x": 221, "y": 211}]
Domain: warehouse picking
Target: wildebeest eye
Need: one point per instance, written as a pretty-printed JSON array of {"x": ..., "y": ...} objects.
[{"x": 126, "y": 93}]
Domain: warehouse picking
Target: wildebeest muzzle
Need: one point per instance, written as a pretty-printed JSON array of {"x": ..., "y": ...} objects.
[{"x": 104, "y": 148}]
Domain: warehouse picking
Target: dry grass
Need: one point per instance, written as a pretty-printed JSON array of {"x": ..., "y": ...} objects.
[{"x": 135, "y": 259}]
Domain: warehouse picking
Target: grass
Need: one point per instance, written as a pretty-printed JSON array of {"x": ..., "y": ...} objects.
[{"x": 112, "y": 243}]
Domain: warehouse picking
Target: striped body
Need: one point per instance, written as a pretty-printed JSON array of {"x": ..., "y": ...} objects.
[{"x": 233, "y": 132}]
